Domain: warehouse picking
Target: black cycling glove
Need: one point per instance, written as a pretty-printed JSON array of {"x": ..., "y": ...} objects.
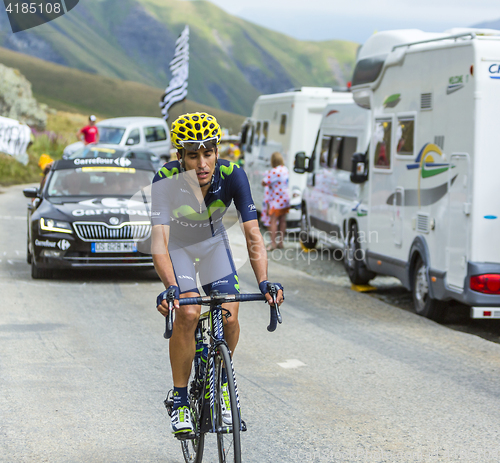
[
  {"x": 170, "y": 294},
  {"x": 264, "y": 287}
]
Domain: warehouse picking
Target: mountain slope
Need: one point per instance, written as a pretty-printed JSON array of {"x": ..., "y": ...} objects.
[
  {"x": 72, "y": 90},
  {"x": 232, "y": 61}
]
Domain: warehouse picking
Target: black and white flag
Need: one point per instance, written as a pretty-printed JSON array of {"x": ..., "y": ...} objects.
[{"x": 179, "y": 66}]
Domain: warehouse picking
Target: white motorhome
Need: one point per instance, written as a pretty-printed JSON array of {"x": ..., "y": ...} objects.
[
  {"x": 285, "y": 122},
  {"x": 433, "y": 171},
  {"x": 331, "y": 201}
]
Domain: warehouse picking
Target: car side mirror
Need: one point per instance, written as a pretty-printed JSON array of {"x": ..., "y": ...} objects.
[
  {"x": 301, "y": 164},
  {"x": 31, "y": 192},
  {"x": 130, "y": 141},
  {"x": 359, "y": 169}
]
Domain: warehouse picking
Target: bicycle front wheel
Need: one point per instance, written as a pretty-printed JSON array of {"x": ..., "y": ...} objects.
[
  {"x": 228, "y": 435},
  {"x": 192, "y": 449}
]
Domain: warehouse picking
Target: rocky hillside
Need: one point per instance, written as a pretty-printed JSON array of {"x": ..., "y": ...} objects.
[
  {"x": 232, "y": 61},
  {"x": 16, "y": 99}
]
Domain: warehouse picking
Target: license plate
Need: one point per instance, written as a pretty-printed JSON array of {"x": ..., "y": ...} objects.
[{"x": 114, "y": 247}]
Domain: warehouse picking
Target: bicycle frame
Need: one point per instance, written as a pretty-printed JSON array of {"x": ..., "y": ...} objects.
[{"x": 215, "y": 331}]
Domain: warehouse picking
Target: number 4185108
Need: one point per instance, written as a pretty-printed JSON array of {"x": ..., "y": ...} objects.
[{"x": 34, "y": 8}]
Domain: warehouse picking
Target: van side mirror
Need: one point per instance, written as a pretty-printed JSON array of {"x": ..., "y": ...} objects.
[
  {"x": 31, "y": 192},
  {"x": 359, "y": 169},
  {"x": 130, "y": 141},
  {"x": 301, "y": 164}
]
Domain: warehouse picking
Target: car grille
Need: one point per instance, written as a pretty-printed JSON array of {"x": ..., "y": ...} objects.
[{"x": 99, "y": 231}]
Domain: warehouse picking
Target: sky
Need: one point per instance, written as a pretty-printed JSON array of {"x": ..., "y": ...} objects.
[{"x": 356, "y": 20}]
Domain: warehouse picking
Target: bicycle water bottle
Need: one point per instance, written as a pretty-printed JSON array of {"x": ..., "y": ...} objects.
[
  {"x": 197, "y": 357},
  {"x": 203, "y": 362}
]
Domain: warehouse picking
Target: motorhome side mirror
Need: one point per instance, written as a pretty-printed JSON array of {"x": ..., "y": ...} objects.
[
  {"x": 359, "y": 169},
  {"x": 301, "y": 163},
  {"x": 31, "y": 192}
]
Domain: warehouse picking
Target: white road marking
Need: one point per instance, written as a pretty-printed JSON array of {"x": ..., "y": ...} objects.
[
  {"x": 11, "y": 262},
  {"x": 292, "y": 363}
]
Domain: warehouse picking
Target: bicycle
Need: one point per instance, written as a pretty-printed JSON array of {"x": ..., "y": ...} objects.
[{"x": 206, "y": 382}]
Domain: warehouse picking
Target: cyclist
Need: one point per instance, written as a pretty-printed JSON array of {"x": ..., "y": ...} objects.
[{"x": 189, "y": 199}]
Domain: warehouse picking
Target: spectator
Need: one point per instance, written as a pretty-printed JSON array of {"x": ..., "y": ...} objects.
[
  {"x": 89, "y": 133},
  {"x": 45, "y": 163},
  {"x": 279, "y": 199}
]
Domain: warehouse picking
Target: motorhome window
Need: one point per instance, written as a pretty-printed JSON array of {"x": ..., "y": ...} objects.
[
  {"x": 335, "y": 152},
  {"x": 404, "y": 136},
  {"x": 326, "y": 143},
  {"x": 347, "y": 149},
  {"x": 265, "y": 131},
  {"x": 250, "y": 139},
  {"x": 367, "y": 70},
  {"x": 283, "y": 124},
  {"x": 383, "y": 130},
  {"x": 256, "y": 134}
]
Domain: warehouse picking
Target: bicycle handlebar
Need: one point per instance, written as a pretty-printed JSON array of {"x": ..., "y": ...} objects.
[{"x": 221, "y": 299}]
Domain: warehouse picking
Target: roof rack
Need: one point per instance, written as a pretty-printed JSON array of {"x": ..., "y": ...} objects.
[{"x": 472, "y": 35}]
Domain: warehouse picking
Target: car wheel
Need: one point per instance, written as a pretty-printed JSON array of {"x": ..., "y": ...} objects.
[
  {"x": 38, "y": 273},
  {"x": 307, "y": 242},
  {"x": 424, "y": 304},
  {"x": 29, "y": 255},
  {"x": 353, "y": 262}
]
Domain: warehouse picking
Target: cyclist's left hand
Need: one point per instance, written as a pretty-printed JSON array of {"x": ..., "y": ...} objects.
[{"x": 264, "y": 289}]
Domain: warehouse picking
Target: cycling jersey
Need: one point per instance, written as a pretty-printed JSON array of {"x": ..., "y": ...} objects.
[
  {"x": 198, "y": 243},
  {"x": 174, "y": 202}
]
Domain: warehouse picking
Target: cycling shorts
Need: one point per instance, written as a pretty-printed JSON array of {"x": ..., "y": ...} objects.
[{"x": 211, "y": 261}]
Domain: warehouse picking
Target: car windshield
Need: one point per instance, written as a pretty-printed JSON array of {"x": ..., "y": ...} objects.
[
  {"x": 92, "y": 151},
  {"x": 111, "y": 135},
  {"x": 95, "y": 181}
]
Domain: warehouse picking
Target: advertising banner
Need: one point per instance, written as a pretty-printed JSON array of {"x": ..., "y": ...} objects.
[{"x": 14, "y": 139}]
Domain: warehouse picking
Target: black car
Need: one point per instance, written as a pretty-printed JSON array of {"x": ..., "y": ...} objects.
[{"x": 91, "y": 213}]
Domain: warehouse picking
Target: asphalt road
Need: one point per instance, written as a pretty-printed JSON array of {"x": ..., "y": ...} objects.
[{"x": 346, "y": 378}]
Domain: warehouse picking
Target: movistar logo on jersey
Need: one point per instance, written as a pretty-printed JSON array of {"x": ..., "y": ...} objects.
[
  {"x": 189, "y": 213},
  {"x": 228, "y": 170},
  {"x": 168, "y": 173}
]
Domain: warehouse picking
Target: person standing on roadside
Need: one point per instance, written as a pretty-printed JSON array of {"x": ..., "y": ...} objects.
[
  {"x": 89, "y": 133},
  {"x": 278, "y": 199}
]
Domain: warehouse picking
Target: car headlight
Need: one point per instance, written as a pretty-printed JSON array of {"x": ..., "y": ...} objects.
[{"x": 51, "y": 225}]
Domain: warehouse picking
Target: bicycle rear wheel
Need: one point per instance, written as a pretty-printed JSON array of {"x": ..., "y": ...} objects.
[{"x": 228, "y": 436}]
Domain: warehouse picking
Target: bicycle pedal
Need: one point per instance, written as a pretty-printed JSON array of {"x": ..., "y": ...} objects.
[
  {"x": 185, "y": 436},
  {"x": 243, "y": 426}
]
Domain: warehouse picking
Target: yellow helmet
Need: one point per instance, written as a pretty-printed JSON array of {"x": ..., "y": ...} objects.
[{"x": 194, "y": 130}]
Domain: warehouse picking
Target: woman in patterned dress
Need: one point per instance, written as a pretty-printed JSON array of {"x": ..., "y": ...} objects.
[{"x": 276, "y": 180}]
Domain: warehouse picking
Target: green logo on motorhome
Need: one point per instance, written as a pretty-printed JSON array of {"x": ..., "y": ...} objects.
[
  {"x": 456, "y": 80},
  {"x": 392, "y": 101}
]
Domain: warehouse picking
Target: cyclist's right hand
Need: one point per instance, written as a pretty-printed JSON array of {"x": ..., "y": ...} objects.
[
  {"x": 264, "y": 287},
  {"x": 171, "y": 294}
]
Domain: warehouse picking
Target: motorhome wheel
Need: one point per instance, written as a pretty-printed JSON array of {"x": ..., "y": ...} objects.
[
  {"x": 424, "y": 304},
  {"x": 353, "y": 258},
  {"x": 306, "y": 241}
]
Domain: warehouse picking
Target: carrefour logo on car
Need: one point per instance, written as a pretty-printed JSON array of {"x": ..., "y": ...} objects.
[
  {"x": 495, "y": 69},
  {"x": 122, "y": 162}
]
